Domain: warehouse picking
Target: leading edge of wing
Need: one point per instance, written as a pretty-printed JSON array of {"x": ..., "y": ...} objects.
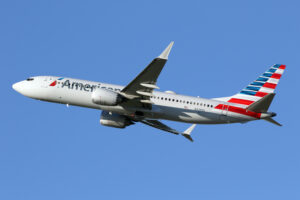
[{"x": 148, "y": 76}]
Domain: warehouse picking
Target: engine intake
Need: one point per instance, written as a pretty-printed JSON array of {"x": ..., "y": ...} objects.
[
  {"x": 114, "y": 120},
  {"x": 106, "y": 97}
]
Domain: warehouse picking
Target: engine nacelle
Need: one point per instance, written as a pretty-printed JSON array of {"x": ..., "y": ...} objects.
[
  {"x": 114, "y": 120},
  {"x": 106, "y": 97}
]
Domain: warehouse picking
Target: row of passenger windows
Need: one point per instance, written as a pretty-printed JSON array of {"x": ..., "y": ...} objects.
[{"x": 183, "y": 101}]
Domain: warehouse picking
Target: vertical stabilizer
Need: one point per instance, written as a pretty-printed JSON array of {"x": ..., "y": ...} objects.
[{"x": 264, "y": 85}]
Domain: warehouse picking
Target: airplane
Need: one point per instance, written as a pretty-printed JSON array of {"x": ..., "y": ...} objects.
[{"x": 140, "y": 102}]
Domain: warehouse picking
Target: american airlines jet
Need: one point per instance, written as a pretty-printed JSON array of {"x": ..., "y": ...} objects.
[{"x": 139, "y": 102}]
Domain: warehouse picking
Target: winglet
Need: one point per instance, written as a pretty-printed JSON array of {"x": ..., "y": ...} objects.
[
  {"x": 166, "y": 52},
  {"x": 187, "y": 132}
]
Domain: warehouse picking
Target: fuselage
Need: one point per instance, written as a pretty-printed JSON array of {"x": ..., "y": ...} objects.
[{"x": 166, "y": 105}]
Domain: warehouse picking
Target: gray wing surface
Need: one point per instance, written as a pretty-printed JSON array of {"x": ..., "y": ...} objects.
[{"x": 141, "y": 88}]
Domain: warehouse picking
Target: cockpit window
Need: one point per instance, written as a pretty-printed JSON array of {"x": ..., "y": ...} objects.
[{"x": 29, "y": 79}]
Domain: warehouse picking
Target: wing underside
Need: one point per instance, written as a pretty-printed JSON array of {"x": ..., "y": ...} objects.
[{"x": 159, "y": 125}]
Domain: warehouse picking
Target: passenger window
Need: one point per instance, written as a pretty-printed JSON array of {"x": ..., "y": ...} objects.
[
  {"x": 187, "y": 102},
  {"x": 176, "y": 100}
]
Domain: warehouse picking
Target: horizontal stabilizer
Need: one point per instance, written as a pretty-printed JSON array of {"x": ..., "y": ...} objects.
[
  {"x": 263, "y": 104},
  {"x": 271, "y": 120}
]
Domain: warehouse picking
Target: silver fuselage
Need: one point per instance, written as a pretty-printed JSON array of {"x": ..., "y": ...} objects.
[{"x": 166, "y": 105}]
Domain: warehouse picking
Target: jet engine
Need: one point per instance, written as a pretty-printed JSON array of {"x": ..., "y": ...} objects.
[
  {"x": 106, "y": 97},
  {"x": 114, "y": 120}
]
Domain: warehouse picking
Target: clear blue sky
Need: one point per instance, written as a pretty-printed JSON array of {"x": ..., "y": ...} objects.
[{"x": 49, "y": 151}]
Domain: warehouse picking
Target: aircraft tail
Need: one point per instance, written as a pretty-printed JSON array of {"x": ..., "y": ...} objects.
[
  {"x": 262, "y": 106},
  {"x": 259, "y": 94}
]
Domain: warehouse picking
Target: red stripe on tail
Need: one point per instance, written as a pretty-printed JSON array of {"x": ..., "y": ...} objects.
[
  {"x": 240, "y": 101},
  {"x": 276, "y": 76},
  {"x": 282, "y": 67},
  {"x": 270, "y": 85},
  {"x": 261, "y": 94}
]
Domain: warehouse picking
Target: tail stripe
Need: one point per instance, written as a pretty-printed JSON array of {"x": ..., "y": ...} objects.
[
  {"x": 257, "y": 83},
  {"x": 262, "y": 79},
  {"x": 252, "y": 88},
  {"x": 247, "y": 92},
  {"x": 272, "y": 70},
  {"x": 276, "y": 66},
  {"x": 282, "y": 67},
  {"x": 261, "y": 94},
  {"x": 265, "y": 84},
  {"x": 267, "y": 74},
  {"x": 240, "y": 101},
  {"x": 267, "y": 90},
  {"x": 270, "y": 85},
  {"x": 276, "y": 76},
  {"x": 273, "y": 80}
]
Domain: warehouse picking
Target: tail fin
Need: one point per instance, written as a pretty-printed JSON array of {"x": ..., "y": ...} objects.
[{"x": 262, "y": 86}]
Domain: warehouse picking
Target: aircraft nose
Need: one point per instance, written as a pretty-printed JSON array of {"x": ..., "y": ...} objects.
[{"x": 17, "y": 86}]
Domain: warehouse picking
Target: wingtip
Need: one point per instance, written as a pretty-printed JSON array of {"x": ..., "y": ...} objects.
[
  {"x": 166, "y": 52},
  {"x": 187, "y": 133}
]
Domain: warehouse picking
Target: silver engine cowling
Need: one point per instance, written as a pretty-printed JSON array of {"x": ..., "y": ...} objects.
[
  {"x": 114, "y": 120},
  {"x": 106, "y": 97}
]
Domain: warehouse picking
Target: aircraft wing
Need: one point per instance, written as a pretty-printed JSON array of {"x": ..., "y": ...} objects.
[
  {"x": 140, "y": 89},
  {"x": 159, "y": 125}
]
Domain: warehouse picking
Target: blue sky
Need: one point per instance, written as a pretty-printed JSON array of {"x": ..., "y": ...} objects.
[{"x": 49, "y": 151}]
